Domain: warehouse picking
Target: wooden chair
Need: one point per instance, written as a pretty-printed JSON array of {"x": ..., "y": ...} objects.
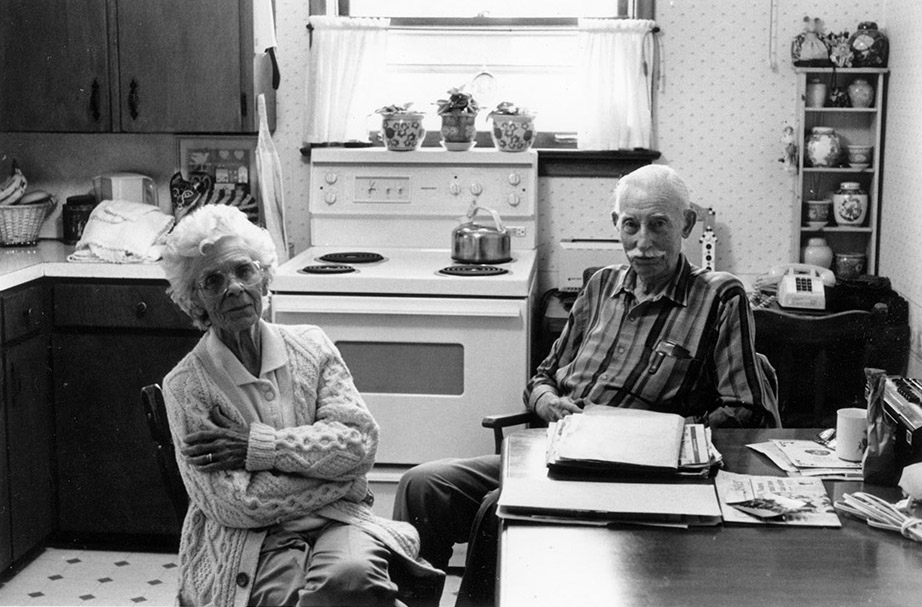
[
  {"x": 413, "y": 591},
  {"x": 159, "y": 425},
  {"x": 819, "y": 360}
]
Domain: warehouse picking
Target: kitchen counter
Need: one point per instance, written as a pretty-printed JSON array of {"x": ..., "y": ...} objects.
[{"x": 19, "y": 265}]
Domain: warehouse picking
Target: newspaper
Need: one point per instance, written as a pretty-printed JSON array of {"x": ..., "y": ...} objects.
[
  {"x": 808, "y": 458},
  {"x": 774, "y": 500}
]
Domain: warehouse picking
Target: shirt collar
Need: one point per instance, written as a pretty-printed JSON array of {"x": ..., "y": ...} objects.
[
  {"x": 676, "y": 289},
  {"x": 274, "y": 354}
]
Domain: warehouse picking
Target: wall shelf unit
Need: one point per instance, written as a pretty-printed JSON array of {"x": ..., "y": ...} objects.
[{"x": 854, "y": 126}]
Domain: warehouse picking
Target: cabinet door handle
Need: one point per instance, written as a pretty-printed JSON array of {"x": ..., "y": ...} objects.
[
  {"x": 94, "y": 101},
  {"x": 134, "y": 99},
  {"x": 15, "y": 383},
  {"x": 140, "y": 309}
]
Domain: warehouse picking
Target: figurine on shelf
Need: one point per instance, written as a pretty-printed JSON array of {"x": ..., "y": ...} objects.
[
  {"x": 840, "y": 51},
  {"x": 790, "y": 158},
  {"x": 809, "y": 48}
]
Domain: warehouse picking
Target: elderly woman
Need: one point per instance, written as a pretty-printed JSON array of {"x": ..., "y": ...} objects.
[{"x": 275, "y": 441}]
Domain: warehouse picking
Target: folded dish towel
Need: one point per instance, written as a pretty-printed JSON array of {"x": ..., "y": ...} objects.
[{"x": 119, "y": 231}]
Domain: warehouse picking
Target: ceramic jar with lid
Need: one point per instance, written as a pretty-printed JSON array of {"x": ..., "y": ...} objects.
[
  {"x": 850, "y": 204},
  {"x": 818, "y": 253},
  {"x": 861, "y": 93},
  {"x": 823, "y": 147},
  {"x": 869, "y": 46}
]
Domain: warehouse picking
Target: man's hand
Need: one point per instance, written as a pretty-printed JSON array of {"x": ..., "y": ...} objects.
[
  {"x": 556, "y": 408},
  {"x": 224, "y": 448}
]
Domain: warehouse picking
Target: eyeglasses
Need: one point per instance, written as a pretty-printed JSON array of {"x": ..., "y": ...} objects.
[{"x": 215, "y": 284}]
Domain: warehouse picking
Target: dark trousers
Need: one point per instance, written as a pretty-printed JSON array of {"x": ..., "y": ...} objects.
[{"x": 453, "y": 501}]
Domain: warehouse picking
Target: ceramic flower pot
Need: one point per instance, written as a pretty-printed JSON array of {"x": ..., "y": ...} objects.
[
  {"x": 458, "y": 131},
  {"x": 403, "y": 132},
  {"x": 512, "y": 133}
]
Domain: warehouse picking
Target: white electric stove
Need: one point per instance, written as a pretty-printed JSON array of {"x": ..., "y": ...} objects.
[{"x": 432, "y": 353}]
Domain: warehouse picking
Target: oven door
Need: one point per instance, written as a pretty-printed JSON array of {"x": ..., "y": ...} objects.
[{"x": 429, "y": 369}]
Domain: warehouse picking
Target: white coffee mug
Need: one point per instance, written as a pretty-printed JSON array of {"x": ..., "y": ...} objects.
[{"x": 851, "y": 433}]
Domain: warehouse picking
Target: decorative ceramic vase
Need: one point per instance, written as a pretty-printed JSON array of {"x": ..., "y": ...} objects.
[
  {"x": 850, "y": 265},
  {"x": 403, "y": 132},
  {"x": 823, "y": 147},
  {"x": 870, "y": 47},
  {"x": 817, "y": 213},
  {"x": 512, "y": 133},
  {"x": 816, "y": 93},
  {"x": 458, "y": 131},
  {"x": 818, "y": 253},
  {"x": 850, "y": 204},
  {"x": 860, "y": 93},
  {"x": 859, "y": 156}
]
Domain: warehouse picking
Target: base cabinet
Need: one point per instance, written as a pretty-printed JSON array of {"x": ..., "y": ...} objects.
[
  {"x": 27, "y": 513},
  {"x": 109, "y": 341}
]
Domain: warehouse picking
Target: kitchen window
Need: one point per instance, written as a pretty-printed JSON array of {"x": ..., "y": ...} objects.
[{"x": 523, "y": 51}]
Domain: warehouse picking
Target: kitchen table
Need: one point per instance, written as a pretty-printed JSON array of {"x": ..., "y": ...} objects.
[{"x": 559, "y": 564}]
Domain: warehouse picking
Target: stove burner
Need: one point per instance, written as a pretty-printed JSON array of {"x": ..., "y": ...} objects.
[
  {"x": 351, "y": 257},
  {"x": 327, "y": 269},
  {"x": 472, "y": 270}
]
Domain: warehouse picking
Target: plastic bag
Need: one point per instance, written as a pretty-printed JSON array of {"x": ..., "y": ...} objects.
[{"x": 879, "y": 464}]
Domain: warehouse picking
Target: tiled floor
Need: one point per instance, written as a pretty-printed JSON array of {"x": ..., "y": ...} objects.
[{"x": 93, "y": 577}]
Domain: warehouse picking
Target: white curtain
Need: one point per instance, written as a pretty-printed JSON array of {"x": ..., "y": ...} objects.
[
  {"x": 347, "y": 58},
  {"x": 614, "y": 100}
]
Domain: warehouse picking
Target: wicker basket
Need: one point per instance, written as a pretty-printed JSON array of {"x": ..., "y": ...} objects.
[{"x": 20, "y": 224}]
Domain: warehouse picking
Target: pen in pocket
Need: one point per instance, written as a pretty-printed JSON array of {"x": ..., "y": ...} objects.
[{"x": 663, "y": 349}]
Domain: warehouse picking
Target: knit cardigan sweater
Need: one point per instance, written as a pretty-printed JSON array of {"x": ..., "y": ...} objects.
[{"x": 316, "y": 468}]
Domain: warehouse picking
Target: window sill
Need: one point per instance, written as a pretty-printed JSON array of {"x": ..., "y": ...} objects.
[{"x": 559, "y": 161}]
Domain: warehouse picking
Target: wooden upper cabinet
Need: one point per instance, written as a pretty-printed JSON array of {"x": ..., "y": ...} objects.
[
  {"x": 55, "y": 66},
  {"x": 180, "y": 65},
  {"x": 132, "y": 66}
]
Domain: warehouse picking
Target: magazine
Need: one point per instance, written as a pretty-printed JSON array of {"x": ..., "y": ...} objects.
[{"x": 775, "y": 500}]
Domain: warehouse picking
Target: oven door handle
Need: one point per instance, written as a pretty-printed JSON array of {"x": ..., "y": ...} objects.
[{"x": 403, "y": 306}]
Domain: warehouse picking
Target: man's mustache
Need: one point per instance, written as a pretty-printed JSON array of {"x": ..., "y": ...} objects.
[{"x": 632, "y": 255}]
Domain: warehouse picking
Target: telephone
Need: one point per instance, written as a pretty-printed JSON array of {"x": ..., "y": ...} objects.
[{"x": 801, "y": 285}]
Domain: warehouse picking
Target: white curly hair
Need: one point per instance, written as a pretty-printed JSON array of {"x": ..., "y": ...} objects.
[{"x": 192, "y": 238}]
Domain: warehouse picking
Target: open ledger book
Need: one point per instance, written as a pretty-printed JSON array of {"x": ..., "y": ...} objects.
[{"x": 630, "y": 442}]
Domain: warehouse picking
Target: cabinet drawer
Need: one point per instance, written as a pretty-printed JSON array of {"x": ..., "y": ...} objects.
[
  {"x": 22, "y": 312},
  {"x": 129, "y": 306}
]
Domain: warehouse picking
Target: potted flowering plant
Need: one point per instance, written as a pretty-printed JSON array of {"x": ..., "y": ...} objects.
[
  {"x": 401, "y": 129},
  {"x": 458, "y": 113},
  {"x": 513, "y": 127}
]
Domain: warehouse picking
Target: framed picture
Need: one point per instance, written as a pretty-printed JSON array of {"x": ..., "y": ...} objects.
[{"x": 216, "y": 170}]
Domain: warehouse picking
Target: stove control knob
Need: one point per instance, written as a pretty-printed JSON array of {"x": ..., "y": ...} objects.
[
  {"x": 329, "y": 197},
  {"x": 515, "y": 179},
  {"x": 476, "y": 189},
  {"x": 514, "y": 200},
  {"x": 454, "y": 188},
  {"x": 330, "y": 178}
]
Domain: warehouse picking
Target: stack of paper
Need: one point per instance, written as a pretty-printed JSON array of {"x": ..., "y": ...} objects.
[
  {"x": 808, "y": 458},
  {"x": 630, "y": 442},
  {"x": 575, "y": 502}
]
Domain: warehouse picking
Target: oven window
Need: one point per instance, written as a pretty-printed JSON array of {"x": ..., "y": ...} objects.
[{"x": 405, "y": 368}]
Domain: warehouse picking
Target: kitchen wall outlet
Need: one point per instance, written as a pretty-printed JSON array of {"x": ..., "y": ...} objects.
[{"x": 517, "y": 231}]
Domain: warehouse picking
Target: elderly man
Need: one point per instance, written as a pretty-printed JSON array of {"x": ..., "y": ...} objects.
[{"x": 657, "y": 334}]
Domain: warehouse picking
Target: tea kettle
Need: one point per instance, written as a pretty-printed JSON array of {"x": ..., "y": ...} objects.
[{"x": 475, "y": 243}]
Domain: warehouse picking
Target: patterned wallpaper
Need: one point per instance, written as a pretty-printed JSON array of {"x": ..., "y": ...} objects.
[{"x": 901, "y": 215}]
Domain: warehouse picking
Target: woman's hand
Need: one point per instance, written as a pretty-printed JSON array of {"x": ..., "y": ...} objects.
[
  {"x": 556, "y": 408},
  {"x": 224, "y": 448}
]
